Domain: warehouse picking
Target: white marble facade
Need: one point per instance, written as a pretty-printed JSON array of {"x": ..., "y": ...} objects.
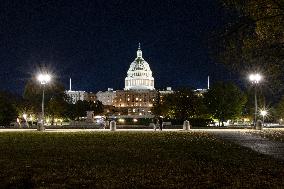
[{"x": 139, "y": 75}]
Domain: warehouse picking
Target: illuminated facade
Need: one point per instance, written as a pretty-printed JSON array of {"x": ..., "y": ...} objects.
[
  {"x": 137, "y": 102},
  {"x": 139, "y": 75},
  {"x": 106, "y": 97},
  {"x": 74, "y": 96},
  {"x": 139, "y": 93},
  {"x": 131, "y": 102},
  {"x": 91, "y": 97}
]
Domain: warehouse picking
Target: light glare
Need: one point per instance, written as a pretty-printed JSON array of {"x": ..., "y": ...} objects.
[
  {"x": 263, "y": 112},
  {"x": 255, "y": 78},
  {"x": 44, "y": 78}
]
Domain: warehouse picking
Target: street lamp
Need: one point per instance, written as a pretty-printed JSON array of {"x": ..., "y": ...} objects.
[
  {"x": 43, "y": 79},
  {"x": 263, "y": 113},
  {"x": 255, "y": 79}
]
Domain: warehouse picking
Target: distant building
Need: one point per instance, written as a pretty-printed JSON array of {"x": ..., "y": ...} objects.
[
  {"x": 137, "y": 102},
  {"x": 139, "y": 93},
  {"x": 106, "y": 97},
  {"x": 91, "y": 96},
  {"x": 167, "y": 91},
  {"x": 138, "y": 96},
  {"x": 201, "y": 92},
  {"x": 74, "y": 96}
]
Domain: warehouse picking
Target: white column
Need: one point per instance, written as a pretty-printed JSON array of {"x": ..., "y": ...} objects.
[
  {"x": 70, "y": 84},
  {"x": 208, "y": 84}
]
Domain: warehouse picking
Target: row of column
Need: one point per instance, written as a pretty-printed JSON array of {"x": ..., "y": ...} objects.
[{"x": 136, "y": 82}]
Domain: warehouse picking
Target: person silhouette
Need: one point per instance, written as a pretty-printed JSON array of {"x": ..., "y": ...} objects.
[{"x": 160, "y": 123}]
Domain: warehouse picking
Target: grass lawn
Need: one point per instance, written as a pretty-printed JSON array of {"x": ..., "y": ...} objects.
[
  {"x": 132, "y": 160},
  {"x": 274, "y": 134}
]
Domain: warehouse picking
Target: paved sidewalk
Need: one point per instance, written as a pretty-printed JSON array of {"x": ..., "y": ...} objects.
[
  {"x": 256, "y": 143},
  {"x": 88, "y": 130}
]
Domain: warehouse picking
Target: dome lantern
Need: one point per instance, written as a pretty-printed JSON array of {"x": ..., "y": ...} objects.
[{"x": 139, "y": 52}]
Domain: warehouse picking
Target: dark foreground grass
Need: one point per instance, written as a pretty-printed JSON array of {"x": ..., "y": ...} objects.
[{"x": 132, "y": 160}]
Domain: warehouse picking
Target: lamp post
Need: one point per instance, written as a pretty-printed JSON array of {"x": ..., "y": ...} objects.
[
  {"x": 263, "y": 113},
  {"x": 255, "y": 79},
  {"x": 43, "y": 79}
]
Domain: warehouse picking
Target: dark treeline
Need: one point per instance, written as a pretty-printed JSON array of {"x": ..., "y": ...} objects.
[
  {"x": 223, "y": 101},
  {"x": 57, "y": 106}
]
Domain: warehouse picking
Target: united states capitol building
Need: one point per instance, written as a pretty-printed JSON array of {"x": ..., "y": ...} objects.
[
  {"x": 139, "y": 75},
  {"x": 138, "y": 96},
  {"x": 139, "y": 93}
]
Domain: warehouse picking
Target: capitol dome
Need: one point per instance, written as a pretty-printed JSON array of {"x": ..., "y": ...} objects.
[{"x": 139, "y": 75}]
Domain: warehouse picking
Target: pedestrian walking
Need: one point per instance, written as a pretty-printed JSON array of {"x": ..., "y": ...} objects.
[
  {"x": 156, "y": 123},
  {"x": 160, "y": 123}
]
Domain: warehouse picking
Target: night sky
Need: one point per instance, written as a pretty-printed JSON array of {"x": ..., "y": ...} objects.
[{"x": 94, "y": 42}]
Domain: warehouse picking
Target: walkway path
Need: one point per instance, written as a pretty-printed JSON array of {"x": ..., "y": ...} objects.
[{"x": 254, "y": 142}]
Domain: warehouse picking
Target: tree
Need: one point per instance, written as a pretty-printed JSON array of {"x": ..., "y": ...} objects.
[
  {"x": 184, "y": 104},
  {"x": 97, "y": 107},
  {"x": 8, "y": 111},
  {"x": 70, "y": 111},
  {"x": 280, "y": 109},
  {"x": 33, "y": 95},
  {"x": 225, "y": 101},
  {"x": 55, "y": 98},
  {"x": 56, "y": 107},
  {"x": 180, "y": 105},
  {"x": 253, "y": 39},
  {"x": 75, "y": 111},
  {"x": 158, "y": 108},
  {"x": 81, "y": 107}
]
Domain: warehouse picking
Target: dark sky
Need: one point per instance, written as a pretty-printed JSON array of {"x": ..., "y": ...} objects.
[{"x": 94, "y": 42}]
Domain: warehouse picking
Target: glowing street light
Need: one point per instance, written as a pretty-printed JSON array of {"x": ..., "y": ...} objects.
[
  {"x": 255, "y": 79},
  {"x": 43, "y": 79},
  {"x": 263, "y": 113}
]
